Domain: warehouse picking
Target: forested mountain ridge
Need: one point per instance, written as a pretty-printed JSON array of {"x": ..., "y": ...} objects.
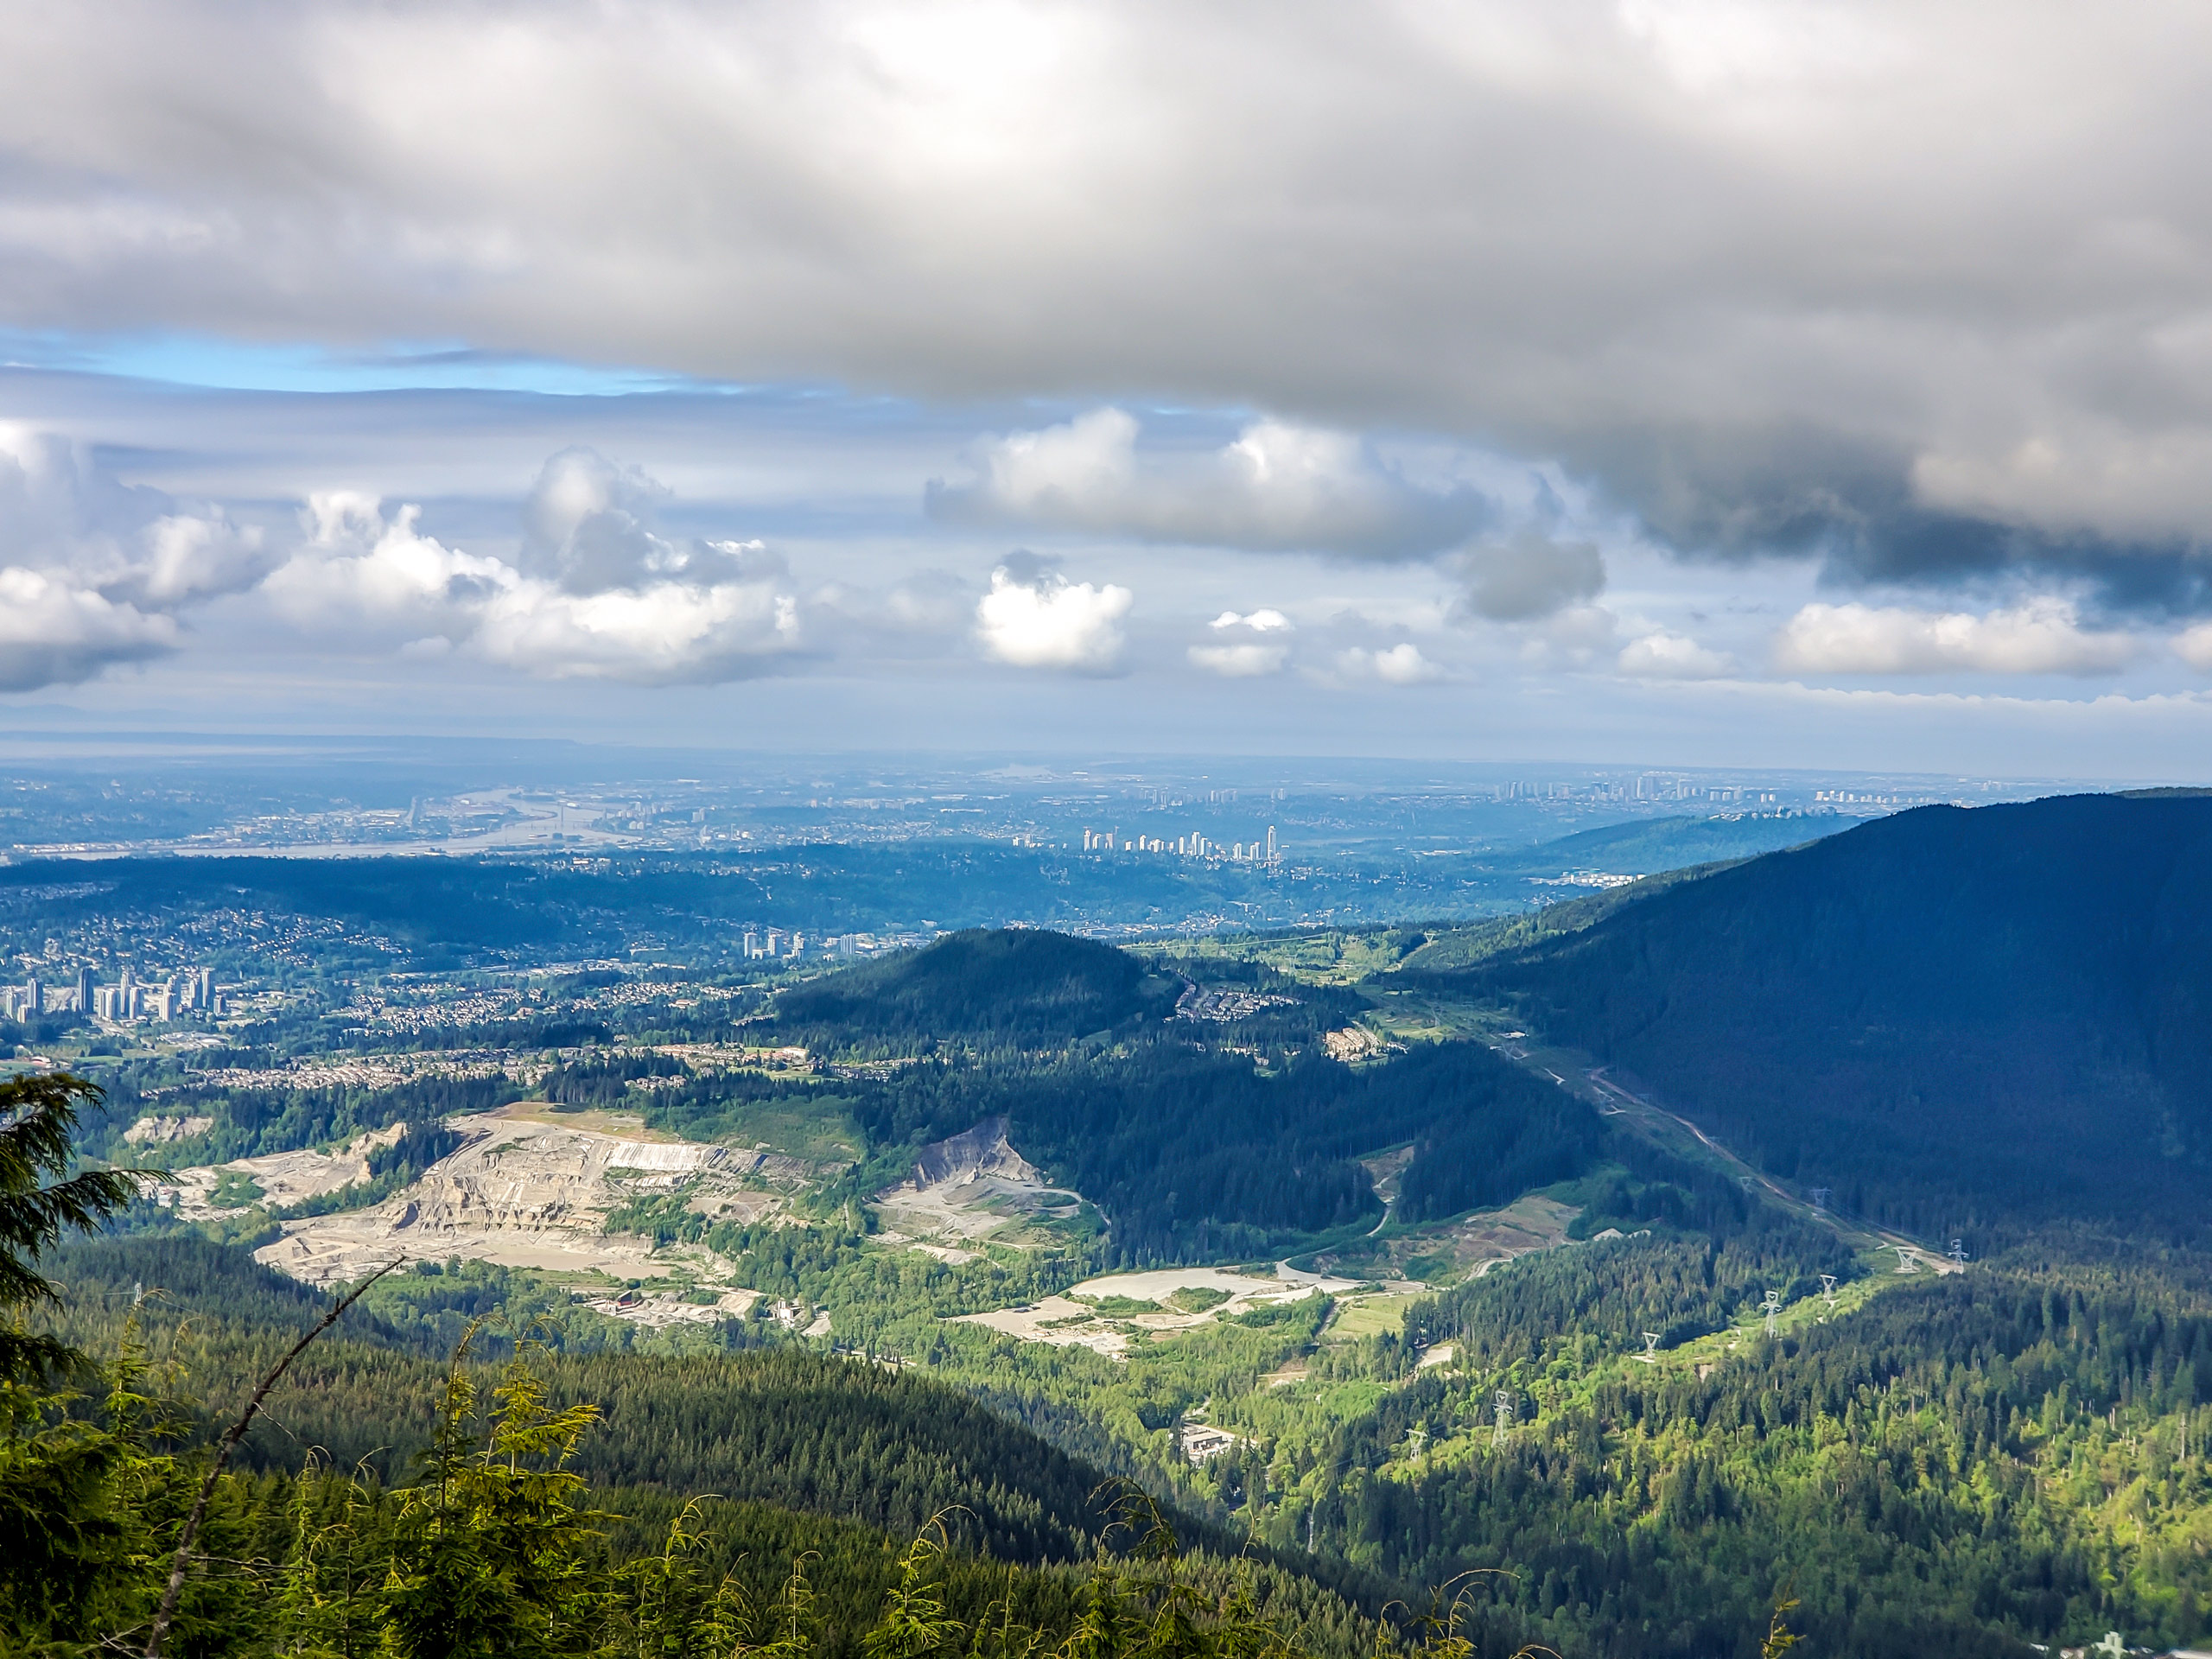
[
  {"x": 1194, "y": 1151},
  {"x": 1949, "y": 1017}
]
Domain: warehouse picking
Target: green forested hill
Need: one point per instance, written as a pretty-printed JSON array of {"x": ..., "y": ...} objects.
[
  {"x": 1952, "y": 1018},
  {"x": 1013, "y": 984}
]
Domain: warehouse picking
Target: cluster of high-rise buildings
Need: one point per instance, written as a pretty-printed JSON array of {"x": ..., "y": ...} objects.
[
  {"x": 777, "y": 944},
  {"x": 129, "y": 998},
  {"x": 1238, "y": 852}
]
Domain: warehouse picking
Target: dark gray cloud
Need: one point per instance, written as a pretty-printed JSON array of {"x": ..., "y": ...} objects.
[{"x": 1529, "y": 575}]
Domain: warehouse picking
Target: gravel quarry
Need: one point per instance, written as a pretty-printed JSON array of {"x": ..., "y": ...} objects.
[
  {"x": 527, "y": 1192},
  {"x": 968, "y": 1187}
]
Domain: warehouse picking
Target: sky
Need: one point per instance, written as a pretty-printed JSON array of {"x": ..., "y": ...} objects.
[{"x": 1695, "y": 384}]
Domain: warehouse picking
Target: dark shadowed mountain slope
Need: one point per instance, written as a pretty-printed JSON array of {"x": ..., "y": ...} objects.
[
  {"x": 1951, "y": 1017},
  {"x": 1013, "y": 984}
]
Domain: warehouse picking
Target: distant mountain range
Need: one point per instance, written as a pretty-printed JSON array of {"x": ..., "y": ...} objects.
[{"x": 1650, "y": 845}]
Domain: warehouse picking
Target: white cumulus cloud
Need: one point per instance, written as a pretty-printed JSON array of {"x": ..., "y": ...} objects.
[
  {"x": 1038, "y": 618},
  {"x": 1241, "y": 657},
  {"x": 1242, "y": 662},
  {"x": 2043, "y": 636},
  {"x": 93, "y": 570},
  {"x": 361, "y": 569},
  {"x": 1399, "y": 664},
  {"x": 2194, "y": 645},
  {"x": 54, "y": 633},
  {"x": 1277, "y": 487},
  {"x": 1264, "y": 621},
  {"x": 1664, "y": 655}
]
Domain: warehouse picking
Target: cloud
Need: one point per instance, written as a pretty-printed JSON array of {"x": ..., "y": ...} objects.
[
  {"x": 95, "y": 569},
  {"x": 1035, "y": 618},
  {"x": 1264, "y": 621},
  {"x": 2194, "y": 645},
  {"x": 1243, "y": 662},
  {"x": 2043, "y": 636},
  {"x": 664, "y": 633},
  {"x": 587, "y": 525},
  {"x": 1870, "y": 281},
  {"x": 1399, "y": 664},
  {"x": 51, "y": 633},
  {"x": 1241, "y": 657},
  {"x": 181, "y": 559},
  {"x": 1529, "y": 576},
  {"x": 1277, "y": 487},
  {"x": 926, "y": 611},
  {"x": 360, "y": 571},
  {"x": 1573, "y": 637},
  {"x": 1664, "y": 655}
]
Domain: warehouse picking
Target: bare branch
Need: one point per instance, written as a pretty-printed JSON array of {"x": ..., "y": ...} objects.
[{"x": 171, "y": 1596}]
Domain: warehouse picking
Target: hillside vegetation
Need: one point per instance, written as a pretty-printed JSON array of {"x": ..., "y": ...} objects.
[
  {"x": 1586, "y": 1357},
  {"x": 1952, "y": 1018},
  {"x": 825, "y": 1436}
]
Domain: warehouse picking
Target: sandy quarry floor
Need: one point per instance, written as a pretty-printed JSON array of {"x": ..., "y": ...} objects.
[
  {"x": 1523, "y": 1228},
  {"x": 523, "y": 1192},
  {"x": 1058, "y": 1321},
  {"x": 657, "y": 1311},
  {"x": 1073, "y": 1321}
]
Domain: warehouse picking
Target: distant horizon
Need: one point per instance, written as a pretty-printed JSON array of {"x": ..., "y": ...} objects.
[{"x": 60, "y": 747}]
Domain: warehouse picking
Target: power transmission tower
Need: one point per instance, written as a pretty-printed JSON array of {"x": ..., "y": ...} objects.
[
  {"x": 1958, "y": 1251},
  {"x": 1651, "y": 1354},
  {"x": 1502, "y": 1404},
  {"x": 1773, "y": 1312},
  {"x": 1828, "y": 1288},
  {"x": 1905, "y": 1254},
  {"x": 1821, "y": 1195}
]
